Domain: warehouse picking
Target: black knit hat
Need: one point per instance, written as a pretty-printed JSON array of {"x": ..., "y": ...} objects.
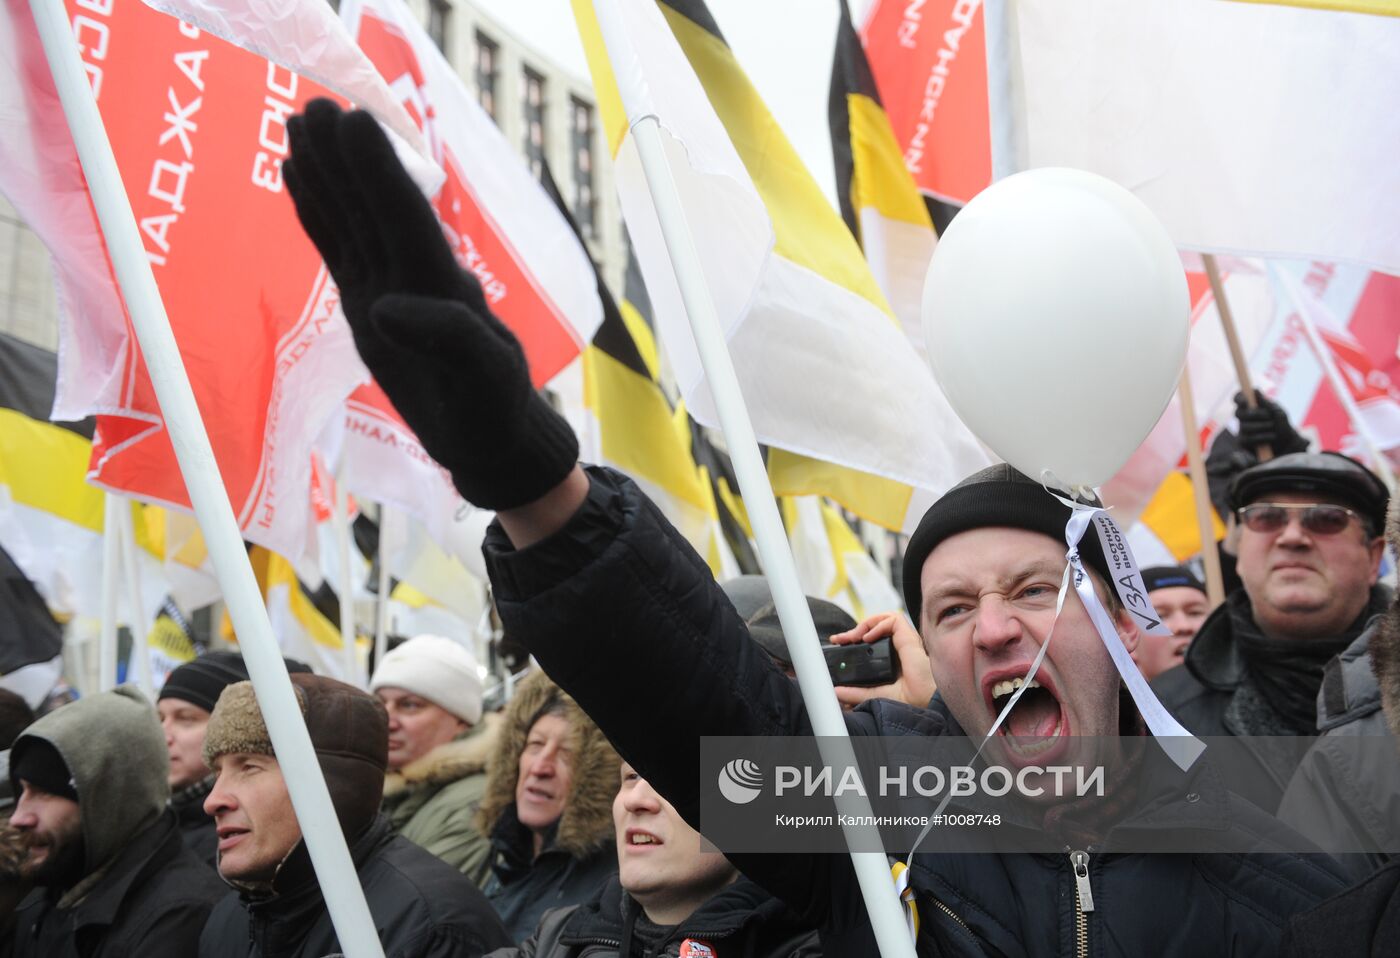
[
  {"x": 996, "y": 496},
  {"x": 200, "y": 682},
  {"x": 753, "y": 600},
  {"x": 1330, "y": 473},
  {"x": 1170, "y": 577},
  {"x": 37, "y": 762}
]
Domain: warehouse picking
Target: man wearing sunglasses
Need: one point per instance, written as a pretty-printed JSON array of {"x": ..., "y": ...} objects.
[{"x": 1309, "y": 557}]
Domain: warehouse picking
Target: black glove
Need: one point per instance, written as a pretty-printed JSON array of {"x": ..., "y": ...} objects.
[
  {"x": 1267, "y": 425},
  {"x": 421, "y": 324}
]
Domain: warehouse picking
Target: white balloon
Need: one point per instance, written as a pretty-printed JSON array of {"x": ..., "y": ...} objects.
[{"x": 1056, "y": 317}]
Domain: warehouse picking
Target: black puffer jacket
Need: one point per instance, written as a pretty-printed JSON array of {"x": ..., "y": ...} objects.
[
  {"x": 421, "y": 906},
  {"x": 152, "y": 900},
  {"x": 1213, "y": 694},
  {"x": 675, "y": 644},
  {"x": 742, "y": 921}
]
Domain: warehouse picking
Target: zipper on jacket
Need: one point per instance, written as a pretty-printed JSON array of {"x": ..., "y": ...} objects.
[
  {"x": 950, "y": 913},
  {"x": 1084, "y": 901}
]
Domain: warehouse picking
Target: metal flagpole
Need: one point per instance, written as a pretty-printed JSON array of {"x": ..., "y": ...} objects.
[
  {"x": 319, "y": 825},
  {"x": 140, "y": 659},
  {"x": 111, "y": 561},
  {"x": 872, "y": 869}
]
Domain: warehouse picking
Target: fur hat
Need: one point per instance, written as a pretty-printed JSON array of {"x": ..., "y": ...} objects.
[
  {"x": 349, "y": 730},
  {"x": 996, "y": 496},
  {"x": 586, "y": 824},
  {"x": 437, "y": 668}
]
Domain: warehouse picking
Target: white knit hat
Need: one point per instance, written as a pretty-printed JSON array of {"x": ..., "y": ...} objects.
[{"x": 437, "y": 668}]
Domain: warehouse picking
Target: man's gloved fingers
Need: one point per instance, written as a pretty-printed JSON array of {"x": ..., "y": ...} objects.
[
  {"x": 313, "y": 221},
  {"x": 335, "y": 188},
  {"x": 402, "y": 218}
]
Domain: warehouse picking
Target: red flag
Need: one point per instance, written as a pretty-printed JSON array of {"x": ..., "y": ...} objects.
[
  {"x": 198, "y": 128},
  {"x": 930, "y": 64}
]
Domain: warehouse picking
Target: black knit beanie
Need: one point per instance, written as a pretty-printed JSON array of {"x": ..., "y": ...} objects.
[
  {"x": 36, "y": 761},
  {"x": 996, "y": 496},
  {"x": 201, "y": 681}
]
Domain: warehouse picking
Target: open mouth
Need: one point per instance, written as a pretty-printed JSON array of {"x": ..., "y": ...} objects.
[
  {"x": 228, "y": 837},
  {"x": 640, "y": 839},
  {"x": 1037, "y": 722}
]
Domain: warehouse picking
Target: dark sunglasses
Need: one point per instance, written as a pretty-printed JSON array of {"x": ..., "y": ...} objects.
[{"x": 1320, "y": 520}]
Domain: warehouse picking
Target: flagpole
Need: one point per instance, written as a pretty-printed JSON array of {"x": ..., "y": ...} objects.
[
  {"x": 1339, "y": 385},
  {"x": 999, "y": 33},
  {"x": 140, "y": 646},
  {"x": 872, "y": 870},
  {"x": 381, "y": 617},
  {"x": 1215, "y": 581},
  {"x": 340, "y": 519},
  {"x": 319, "y": 825},
  {"x": 1232, "y": 337},
  {"x": 107, "y": 630}
]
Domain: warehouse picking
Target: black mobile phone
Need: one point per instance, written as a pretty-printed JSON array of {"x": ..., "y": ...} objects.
[{"x": 863, "y": 663}]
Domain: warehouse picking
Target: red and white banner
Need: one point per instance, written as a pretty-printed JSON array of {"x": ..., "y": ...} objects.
[
  {"x": 198, "y": 128},
  {"x": 930, "y": 66},
  {"x": 507, "y": 231},
  {"x": 1357, "y": 313}
]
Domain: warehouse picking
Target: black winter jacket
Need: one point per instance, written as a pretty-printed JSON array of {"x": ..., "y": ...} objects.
[
  {"x": 196, "y": 827},
  {"x": 741, "y": 921},
  {"x": 1362, "y": 922},
  {"x": 153, "y": 900},
  {"x": 1210, "y": 693},
  {"x": 675, "y": 644},
  {"x": 421, "y": 906},
  {"x": 523, "y": 886}
]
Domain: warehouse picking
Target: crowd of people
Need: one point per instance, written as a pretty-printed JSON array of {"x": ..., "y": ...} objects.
[{"x": 567, "y": 823}]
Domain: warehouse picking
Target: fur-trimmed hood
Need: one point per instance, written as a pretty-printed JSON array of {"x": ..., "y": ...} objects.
[
  {"x": 586, "y": 824},
  {"x": 468, "y": 754}
]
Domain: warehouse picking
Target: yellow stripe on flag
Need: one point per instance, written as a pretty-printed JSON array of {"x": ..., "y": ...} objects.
[
  {"x": 636, "y": 429},
  {"x": 1380, "y": 8},
  {"x": 45, "y": 468},
  {"x": 880, "y": 179},
  {"x": 873, "y": 498},
  {"x": 1171, "y": 515},
  {"x": 808, "y": 231}
]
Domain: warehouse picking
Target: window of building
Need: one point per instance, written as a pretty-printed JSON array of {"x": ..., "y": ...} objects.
[
  {"x": 581, "y": 141},
  {"x": 487, "y": 60},
  {"x": 534, "y": 121},
  {"x": 439, "y": 14}
]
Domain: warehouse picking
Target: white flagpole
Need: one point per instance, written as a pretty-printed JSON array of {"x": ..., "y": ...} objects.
[
  {"x": 381, "y": 606},
  {"x": 321, "y": 829},
  {"x": 140, "y": 660},
  {"x": 107, "y": 629},
  {"x": 872, "y": 870},
  {"x": 1000, "y": 33},
  {"x": 340, "y": 520}
]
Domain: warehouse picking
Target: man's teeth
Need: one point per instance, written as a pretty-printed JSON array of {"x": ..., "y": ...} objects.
[
  {"x": 1007, "y": 686},
  {"x": 644, "y": 840}
]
